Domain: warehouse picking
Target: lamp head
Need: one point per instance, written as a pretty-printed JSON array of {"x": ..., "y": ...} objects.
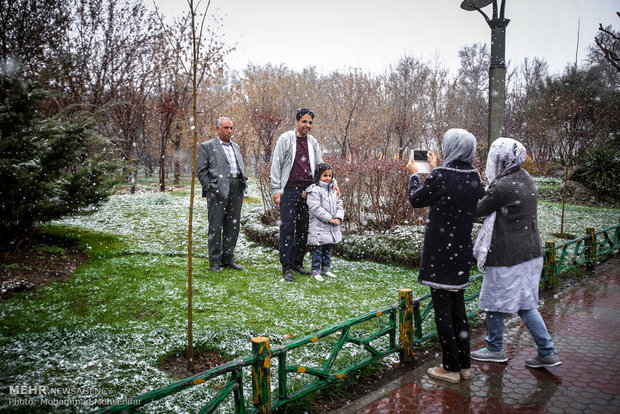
[{"x": 471, "y": 5}]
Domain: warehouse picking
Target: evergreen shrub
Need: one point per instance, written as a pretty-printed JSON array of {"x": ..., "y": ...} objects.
[
  {"x": 600, "y": 170},
  {"x": 50, "y": 165}
]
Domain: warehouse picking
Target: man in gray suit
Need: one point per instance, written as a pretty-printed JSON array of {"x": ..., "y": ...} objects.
[{"x": 220, "y": 169}]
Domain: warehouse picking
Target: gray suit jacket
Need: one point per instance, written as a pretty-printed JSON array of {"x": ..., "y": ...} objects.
[{"x": 213, "y": 168}]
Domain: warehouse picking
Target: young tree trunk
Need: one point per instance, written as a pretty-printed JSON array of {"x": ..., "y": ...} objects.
[
  {"x": 211, "y": 62},
  {"x": 568, "y": 161},
  {"x": 266, "y": 139},
  {"x": 177, "y": 155},
  {"x": 177, "y": 172},
  {"x": 564, "y": 198},
  {"x": 162, "y": 171},
  {"x": 190, "y": 320},
  {"x": 133, "y": 179}
]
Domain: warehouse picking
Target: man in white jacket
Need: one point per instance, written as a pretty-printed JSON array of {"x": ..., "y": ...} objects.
[{"x": 292, "y": 170}]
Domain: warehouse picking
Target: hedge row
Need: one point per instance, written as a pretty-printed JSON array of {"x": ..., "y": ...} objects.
[{"x": 399, "y": 245}]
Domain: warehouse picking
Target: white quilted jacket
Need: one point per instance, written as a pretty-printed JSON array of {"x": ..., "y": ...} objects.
[{"x": 323, "y": 205}]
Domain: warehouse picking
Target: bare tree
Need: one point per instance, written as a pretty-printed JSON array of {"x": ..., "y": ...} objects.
[
  {"x": 521, "y": 88},
  {"x": 406, "y": 86},
  {"x": 32, "y": 35},
  {"x": 473, "y": 77},
  {"x": 172, "y": 104},
  {"x": 200, "y": 52},
  {"x": 441, "y": 109},
  {"x": 604, "y": 55},
  {"x": 348, "y": 97},
  {"x": 126, "y": 122},
  {"x": 233, "y": 96},
  {"x": 265, "y": 103},
  {"x": 608, "y": 42},
  {"x": 173, "y": 92},
  {"x": 108, "y": 40},
  {"x": 565, "y": 110}
]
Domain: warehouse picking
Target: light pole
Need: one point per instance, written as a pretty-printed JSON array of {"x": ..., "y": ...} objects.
[{"x": 497, "y": 69}]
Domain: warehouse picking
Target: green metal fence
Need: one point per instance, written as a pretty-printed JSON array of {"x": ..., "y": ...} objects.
[
  {"x": 262, "y": 354},
  {"x": 404, "y": 318},
  {"x": 560, "y": 259}
]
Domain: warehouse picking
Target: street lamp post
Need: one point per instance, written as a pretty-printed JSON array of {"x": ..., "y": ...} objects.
[{"x": 497, "y": 69}]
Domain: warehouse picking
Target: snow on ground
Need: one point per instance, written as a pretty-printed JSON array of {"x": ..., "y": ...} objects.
[{"x": 99, "y": 347}]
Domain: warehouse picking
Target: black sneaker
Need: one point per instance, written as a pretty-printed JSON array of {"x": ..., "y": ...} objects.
[
  {"x": 301, "y": 270},
  {"x": 233, "y": 266},
  {"x": 288, "y": 276}
]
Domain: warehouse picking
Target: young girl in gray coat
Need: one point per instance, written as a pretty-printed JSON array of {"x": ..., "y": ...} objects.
[{"x": 326, "y": 214}]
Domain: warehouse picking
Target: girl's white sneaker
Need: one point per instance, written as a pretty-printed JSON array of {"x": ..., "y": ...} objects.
[
  {"x": 318, "y": 277},
  {"x": 330, "y": 274}
]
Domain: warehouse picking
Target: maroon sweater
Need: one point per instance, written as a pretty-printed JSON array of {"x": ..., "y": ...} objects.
[{"x": 301, "y": 173}]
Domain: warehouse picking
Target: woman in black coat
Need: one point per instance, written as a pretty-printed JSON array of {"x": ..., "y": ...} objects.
[{"x": 452, "y": 192}]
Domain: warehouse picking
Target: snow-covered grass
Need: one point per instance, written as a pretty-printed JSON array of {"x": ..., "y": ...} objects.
[
  {"x": 122, "y": 313},
  {"x": 108, "y": 328},
  {"x": 548, "y": 182},
  {"x": 576, "y": 219}
]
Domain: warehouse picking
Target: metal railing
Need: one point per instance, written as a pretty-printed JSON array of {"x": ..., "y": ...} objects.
[
  {"x": 405, "y": 318},
  {"x": 560, "y": 259}
]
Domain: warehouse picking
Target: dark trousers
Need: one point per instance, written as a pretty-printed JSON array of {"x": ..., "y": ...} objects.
[
  {"x": 321, "y": 257},
  {"x": 452, "y": 328},
  {"x": 224, "y": 223},
  {"x": 293, "y": 228}
]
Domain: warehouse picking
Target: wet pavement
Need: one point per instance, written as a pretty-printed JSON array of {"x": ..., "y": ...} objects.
[{"x": 584, "y": 322}]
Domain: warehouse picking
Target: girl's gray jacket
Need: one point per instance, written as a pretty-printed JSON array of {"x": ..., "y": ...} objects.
[
  {"x": 284, "y": 155},
  {"x": 323, "y": 205}
]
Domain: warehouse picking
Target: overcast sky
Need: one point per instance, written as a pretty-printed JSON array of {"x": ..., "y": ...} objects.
[{"x": 373, "y": 34}]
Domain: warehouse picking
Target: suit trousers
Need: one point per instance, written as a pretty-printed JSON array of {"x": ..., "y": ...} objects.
[
  {"x": 293, "y": 228},
  {"x": 452, "y": 328},
  {"x": 224, "y": 223}
]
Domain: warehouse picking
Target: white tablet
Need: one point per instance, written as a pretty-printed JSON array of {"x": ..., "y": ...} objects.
[{"x": 420, "y": 157}]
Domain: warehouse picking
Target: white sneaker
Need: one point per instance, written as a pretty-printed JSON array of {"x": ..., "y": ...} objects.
[
  {"x": 318, "y": 277},
  {"x": 330, "y": 274}
]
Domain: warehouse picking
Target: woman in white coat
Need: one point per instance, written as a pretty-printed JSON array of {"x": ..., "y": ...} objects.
[{"x": 509, "y": 249}]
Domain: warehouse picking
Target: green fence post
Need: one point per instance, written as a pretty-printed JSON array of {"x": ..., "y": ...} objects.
[
  {"x": 282, "y": 381},
  {"x": 550, "y": 265},
  {"x": 417, "y": 321},
  {"x": 590, "y": 251},
  {"x": 238, "y": 392},
  {"x": 405, "y": 325},
  {"x": 261, "y": 374}
]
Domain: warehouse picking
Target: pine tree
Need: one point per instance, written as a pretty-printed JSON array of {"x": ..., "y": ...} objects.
[{"x": 50, "y": 166}]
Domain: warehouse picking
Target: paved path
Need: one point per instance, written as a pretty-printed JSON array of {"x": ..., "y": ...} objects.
[{"x": 584, "y": 322}]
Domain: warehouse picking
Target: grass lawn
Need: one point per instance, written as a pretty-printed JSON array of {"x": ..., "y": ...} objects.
[{"x": 109, "y": 327}]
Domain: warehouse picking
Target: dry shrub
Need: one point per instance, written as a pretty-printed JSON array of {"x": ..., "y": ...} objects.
[
  {"x": 535, "y": 169},
  {"x": 270, "y": 211},
  {"x": 374, "y": 194}
]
